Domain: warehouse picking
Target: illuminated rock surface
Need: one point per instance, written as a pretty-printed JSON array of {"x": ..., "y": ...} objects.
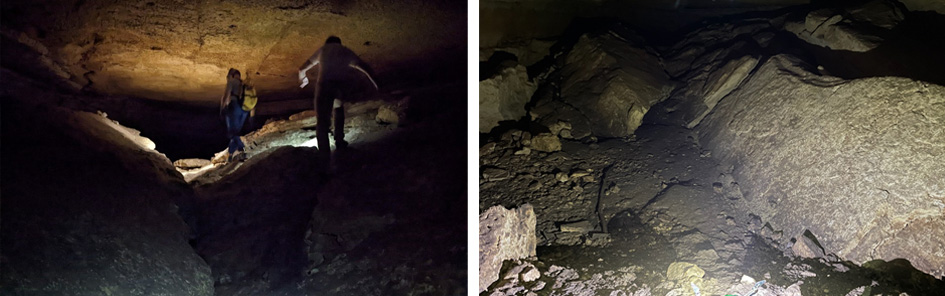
[
  {"x": 503, "y": 97},
  {"x": 504, "y": 234},
  {"x": 85, "y": 216},
  {"x": 181, "y": 50},
  {"x": 855, "y": 162},
  {"x": 159, "y": 66},
  {"x": 771, "y": 157}
]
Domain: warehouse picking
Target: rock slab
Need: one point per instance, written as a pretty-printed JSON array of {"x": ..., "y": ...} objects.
[
  {"x": 607, "y": 85},
  {"x": 858, "y": 162},
  {"x": 503, "y": 97},
  {"x": 504, "y": 234}
]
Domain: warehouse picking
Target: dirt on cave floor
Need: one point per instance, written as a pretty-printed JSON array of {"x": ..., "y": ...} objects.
[
  {"x": 387, "y": 218},
  {"x": 671, "y": 214}
]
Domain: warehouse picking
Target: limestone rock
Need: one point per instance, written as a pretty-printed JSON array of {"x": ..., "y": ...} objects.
[
  {"x": 607, "y": 86},
  {"x": 495, "y": 174},
  {"x": 812, "y": 149},
  {"x": 191, "y": 163},
  {"x": 503, "y": 235},
  {"x": 807, "y": 247},
  {"x": 857, "y": 28},
  {"x": 720, "y": 83},
  {"x": 684, "y": 271},
  {"x": 545, "y": 142},
  {"x": 388, "y": 113},
  {"x": 582, "y": 226},
  {"x": 503, "y": 97}
]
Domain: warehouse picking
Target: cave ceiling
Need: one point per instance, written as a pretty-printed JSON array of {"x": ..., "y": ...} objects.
[{"x": 173, "y": 50}]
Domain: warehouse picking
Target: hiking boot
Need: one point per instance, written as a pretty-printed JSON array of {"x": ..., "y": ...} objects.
[{"x": 342, "y": 144}]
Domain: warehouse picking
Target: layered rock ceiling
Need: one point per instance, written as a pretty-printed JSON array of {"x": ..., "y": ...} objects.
[{"x": 180, "y": 51}]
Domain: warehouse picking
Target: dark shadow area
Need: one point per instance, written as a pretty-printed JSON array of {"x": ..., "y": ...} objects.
[
  {"x": 913, "y": 50},
  {"x": 82, "y": 209}
]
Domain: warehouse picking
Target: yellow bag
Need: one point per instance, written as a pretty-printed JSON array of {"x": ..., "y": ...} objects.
[{"x": 249, "y": 98}]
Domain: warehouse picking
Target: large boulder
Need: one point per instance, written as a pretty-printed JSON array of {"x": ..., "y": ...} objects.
[
  {"x": 858, "y": 163},
  {"x": 607, "y": 85},
  {"x": 856, "y": 28},
  {"x": 503, "y": 97},
  {"x": 503, "y": 235}
]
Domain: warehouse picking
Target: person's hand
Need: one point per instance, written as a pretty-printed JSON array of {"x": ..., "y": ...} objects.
[{"x": 304, "y": 82}]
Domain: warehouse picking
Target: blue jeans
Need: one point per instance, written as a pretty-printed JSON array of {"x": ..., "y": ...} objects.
[{"x": 235, "y": 116}]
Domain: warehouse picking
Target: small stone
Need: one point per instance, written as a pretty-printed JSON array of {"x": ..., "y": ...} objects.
[
  {"x": 534, "y": 186},
  {"x": 524, "y": 151},
  {"x": 486, "y": 149},
  {"x": 386, "y": 114},
  {"x": 582, "y": 226},
  {"x": 747, "y": 280},
  {"x": 531, "y": 275},
  {"x": 807, "y": 247},
  {"x": 566, "y": 134},
  {"x": 545, "y": 142},
  {"x": 191, "y": 163},
  {"x": 579, "y": 174},
  {"x": 561, "y": 177},
  {"x": 684, "y": 271},
  {"x": 495, "y": 174},
  {"x": 538, "y": 286}
]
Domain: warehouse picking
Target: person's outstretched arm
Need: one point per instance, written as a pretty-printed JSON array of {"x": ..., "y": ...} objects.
[
  {"x": 363, "y": 67},
  {"x": 311, "y": 62}
]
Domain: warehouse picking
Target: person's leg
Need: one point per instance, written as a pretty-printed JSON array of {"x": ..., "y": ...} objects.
[
  {"x": 240, "y": 120},
  {"x": 339, "y": 128},
  {"x": 323, "y": 121},
  {"x": 232, "y": 130}
]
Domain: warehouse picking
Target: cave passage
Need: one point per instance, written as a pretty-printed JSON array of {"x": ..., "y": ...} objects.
[
  {"x": 114, "y": 167},
  {"x": 703, "y": 148}
]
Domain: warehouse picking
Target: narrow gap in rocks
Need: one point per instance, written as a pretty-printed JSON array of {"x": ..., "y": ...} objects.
[{"x": 727, "y": 156}]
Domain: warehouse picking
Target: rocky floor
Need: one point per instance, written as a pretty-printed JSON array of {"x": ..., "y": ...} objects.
[
  {"x": 675, "y": 225},
  {"x": 727, "y": 158},
  {"x": 386, "y": 218}
]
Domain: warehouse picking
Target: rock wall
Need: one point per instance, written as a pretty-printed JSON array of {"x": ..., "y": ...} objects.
[
  {"x": 88, "y": 211},
  {"x": 858, "y": 163}
]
